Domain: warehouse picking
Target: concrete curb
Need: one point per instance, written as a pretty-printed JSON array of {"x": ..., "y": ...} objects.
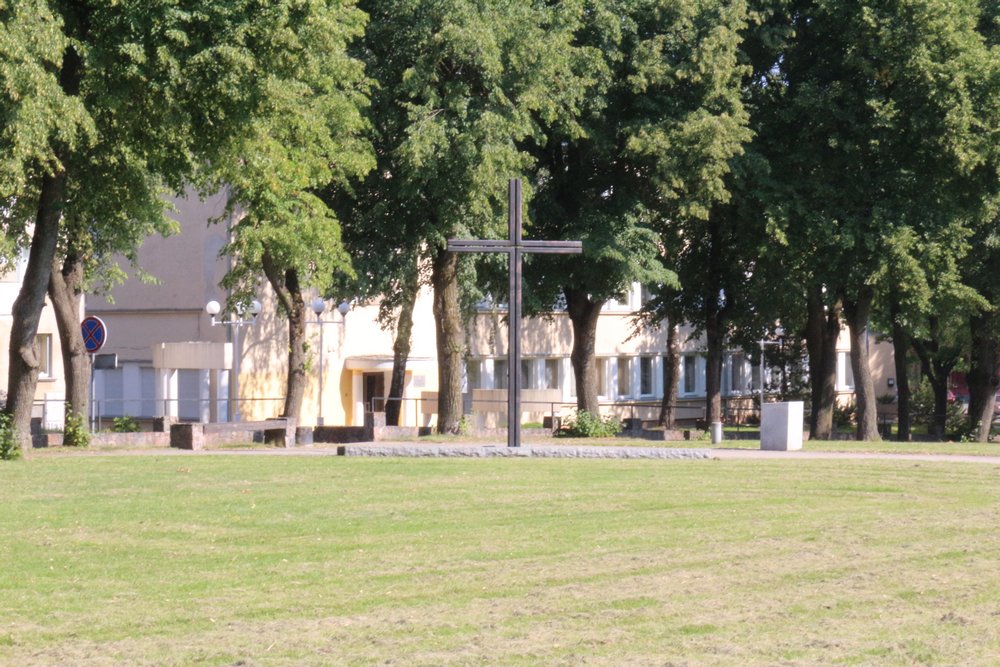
[{"x": 528, "y": 451}]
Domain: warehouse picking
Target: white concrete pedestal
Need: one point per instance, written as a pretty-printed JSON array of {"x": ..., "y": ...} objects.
[
  {"x": 716, "y": 430},
  {"x": 781, "y": 426}
]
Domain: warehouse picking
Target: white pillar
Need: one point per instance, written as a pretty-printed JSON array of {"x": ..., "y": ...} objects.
[
  {"x": 204, "y": 396},
  {"x": 214, "y": 395},
  {"x": 358, "y": 398},
  {"x": 166, "y": 392},
  {"x": 636, "y": 383},
  {"x": 567, "y": 380},
  {"x": 658, "y": 388}
]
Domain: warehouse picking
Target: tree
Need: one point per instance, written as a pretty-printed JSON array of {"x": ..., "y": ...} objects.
[
  {"x": 662, "y": 118},
  {"x": 928, "y": 306},
  {"x": 877, "y": 122},
  {"x": 461, "y": 82},
  {"x": 135, "y": 94},
  {"x": 308, "y": 138}
]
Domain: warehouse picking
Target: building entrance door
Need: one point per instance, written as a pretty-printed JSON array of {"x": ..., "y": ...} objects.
[{"x": 373, "y": 385}]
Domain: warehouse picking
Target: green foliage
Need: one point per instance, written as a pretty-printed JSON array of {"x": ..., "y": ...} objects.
[
  {"x": 651, "y": 141},
  {"x": 462, "y": 87},
  {"x": 9, "y": 449},
  {"x": 845, "y": 415},
  {"x": 464, "y": 426},
  {"x": 125, "y": 425},
  {"x": 308, "y": 137},
  {"x": 922, "y": 406},
  {"x": 587, "y": 425},
  {"x": 75, "y": 431}
]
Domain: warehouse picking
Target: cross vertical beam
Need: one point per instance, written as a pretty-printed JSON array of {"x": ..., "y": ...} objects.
[
  {"x": 515, "y": 247},
  {"x": 514, "y": 315}
]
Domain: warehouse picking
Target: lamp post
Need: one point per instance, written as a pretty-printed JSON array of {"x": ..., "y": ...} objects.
[
  {"x": 318, "y": 306},
  {"x": 235, "y": 324}
]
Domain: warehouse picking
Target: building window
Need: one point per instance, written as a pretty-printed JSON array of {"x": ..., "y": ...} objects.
[
  {"x": 645, "y": 295},
  {"x": 624, "y": 377},
  {"x": 690, "y": 374},
  {"x": 113, "y": 404},
  {"x": 646, "y": 376},
  {"x": 147, "y": 389},
  {"x": 552, "y": 373},
  {"x": 499, "y": 373},
  {"x": 44, "y": 342},
  {"x": 737, "y": 374},
  {"x": 845, "y": 373},
  {"x": 527, "y": 374},
  {"x": 602, "y": 376},
  {"x": 474, "y": 374}
]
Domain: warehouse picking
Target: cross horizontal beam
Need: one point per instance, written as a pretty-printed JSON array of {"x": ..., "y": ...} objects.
[{"x": 500, "y": 245}]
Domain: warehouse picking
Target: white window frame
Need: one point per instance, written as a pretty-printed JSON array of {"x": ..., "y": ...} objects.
[
  {"x": 555, "y": 365},
  {"x": 500, "y": 375},
  {"x": 603, "y": 376},
  {"x": 695, "y": 382},
  {"x": 44, "y": 342},
  {"x": 623, "y": 376},
  {"x": 844, "y": 371}
]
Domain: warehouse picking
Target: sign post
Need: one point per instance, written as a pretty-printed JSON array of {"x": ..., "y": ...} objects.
[{"x": 95, "y": 335}]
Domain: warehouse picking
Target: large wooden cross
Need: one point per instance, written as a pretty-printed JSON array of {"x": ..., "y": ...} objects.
[{"x": 515, "y": 247}]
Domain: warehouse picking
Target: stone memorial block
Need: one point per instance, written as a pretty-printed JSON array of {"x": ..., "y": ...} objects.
[{"x": 781, "y": 426}]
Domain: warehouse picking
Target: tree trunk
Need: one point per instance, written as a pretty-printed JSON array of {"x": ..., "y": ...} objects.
[
  {"x": 65, "y": 292},
  {"x": 297, "y": 358},
  {"x": 450, "y": 340},
  {"x": 22, "y": 375},
  {"x": 901, "y": 343},
  {"x": 937, "y": 368},
  {"x": 939, "y": 423},
  {"x": 583, "y": 315},
  {"x": 900, "y": 348},
  {"x": 714, "y": 340},
  {"x": 671, "y": 373},
  {"x": 22, "y": 372},
  {"x": 285, "y": 283},
  {"x": 822, "y": 330},
  {"x": 982, "y": 377},
  {"x": 401, "y": 350},
  {"x": 858, "y": 314}
]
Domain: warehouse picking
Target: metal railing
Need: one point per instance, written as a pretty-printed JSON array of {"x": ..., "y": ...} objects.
[
  {"x": 416, "y": 416},
  {"x": 51, "y": 411}
]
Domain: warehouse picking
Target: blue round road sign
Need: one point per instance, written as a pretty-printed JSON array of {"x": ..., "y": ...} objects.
[{"x": 95, "y": 334}]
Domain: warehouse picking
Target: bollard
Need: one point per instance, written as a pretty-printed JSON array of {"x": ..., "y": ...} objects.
[{"x": 716, "y": 432}]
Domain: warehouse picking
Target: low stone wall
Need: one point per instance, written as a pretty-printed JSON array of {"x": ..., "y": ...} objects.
[
  {"x": 137, "y": 439},
  {"x": 107, "y": 439},
  {"x": 339, "y": 434},
  {"x": 279, "y": 432}
]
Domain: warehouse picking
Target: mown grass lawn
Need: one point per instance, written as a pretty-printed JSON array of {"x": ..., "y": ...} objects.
[{"x": 257, "y": 560}]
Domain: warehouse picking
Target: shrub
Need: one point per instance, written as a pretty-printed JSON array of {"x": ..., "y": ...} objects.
[
  {"x": 587, "y": 425},
  {"x": 124, "y": 425},
  {"x": 844, "y": 416},
  {"x": 75, "y": 433},
  {"x": 8, "y": 446},
  {"x": 922, "y": 409}
]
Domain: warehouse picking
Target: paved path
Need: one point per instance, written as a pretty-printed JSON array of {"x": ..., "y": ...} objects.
[{"x": 479, "y": 450}]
